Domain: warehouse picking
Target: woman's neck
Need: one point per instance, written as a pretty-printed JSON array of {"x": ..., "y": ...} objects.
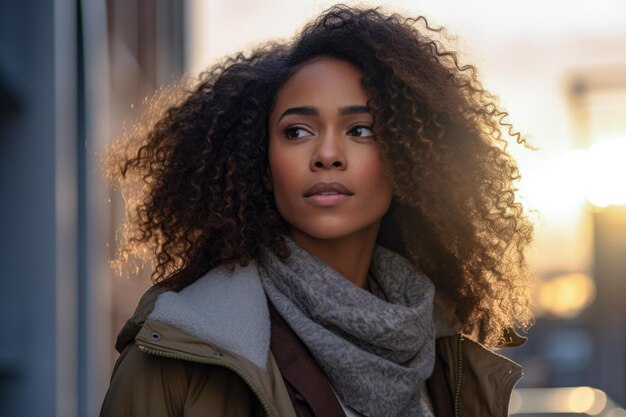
[{"x": 349, "y": 255}]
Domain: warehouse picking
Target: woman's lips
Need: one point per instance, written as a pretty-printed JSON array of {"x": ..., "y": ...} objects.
[
  {"x": 327, "y": 193},
  {"x": 326, "y": 200}
]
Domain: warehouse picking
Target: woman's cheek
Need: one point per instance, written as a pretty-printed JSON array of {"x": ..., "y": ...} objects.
[{"x": 286, "y": 183}]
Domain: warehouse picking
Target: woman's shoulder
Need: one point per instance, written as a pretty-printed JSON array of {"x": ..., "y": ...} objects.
[
  {"x": 209, "y": 340},
  {"x": 150, "y": 385},
  {"x": 137, "y": 377}
]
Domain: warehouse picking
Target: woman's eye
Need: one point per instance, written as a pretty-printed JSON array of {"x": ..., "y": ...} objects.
[
  {"x": 296, "y": 133},
  {"x": 361, "y": 131}
]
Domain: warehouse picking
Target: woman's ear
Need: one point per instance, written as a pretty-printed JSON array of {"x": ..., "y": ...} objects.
[{"x": 267, "y": 180}]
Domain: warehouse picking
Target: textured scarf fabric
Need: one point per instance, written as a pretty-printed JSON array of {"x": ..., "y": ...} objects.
[{"x": 376, "y": 348}]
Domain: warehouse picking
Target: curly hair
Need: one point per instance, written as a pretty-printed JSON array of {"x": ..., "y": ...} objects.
[{"x": 192, "y": 170}]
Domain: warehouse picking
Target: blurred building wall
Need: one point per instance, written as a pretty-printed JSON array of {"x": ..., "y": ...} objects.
[
  {"x": 70, "y": 71},
  {"x": 38, "y": 163}
]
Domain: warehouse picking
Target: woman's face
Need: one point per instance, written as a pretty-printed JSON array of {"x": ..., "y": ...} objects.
[{"x": 325, "y": 168}]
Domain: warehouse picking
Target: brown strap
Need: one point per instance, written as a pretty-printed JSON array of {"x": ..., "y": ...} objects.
[
  {"x": 439, "y": 391},
  {"x": 308, "y": 386}
]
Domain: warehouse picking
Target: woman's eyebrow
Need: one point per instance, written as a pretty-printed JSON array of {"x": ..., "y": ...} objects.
[
  {"x": 305, "y": 110},
  {"x": 313, "y": 111}
]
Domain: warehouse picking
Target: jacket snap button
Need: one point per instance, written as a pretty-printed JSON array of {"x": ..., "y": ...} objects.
[{"x": 155, "y": 336}]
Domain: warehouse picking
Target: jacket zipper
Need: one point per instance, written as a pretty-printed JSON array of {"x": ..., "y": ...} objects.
[
  {"x": 208, "y": 361},
  {"x": 459, "y": 376}
]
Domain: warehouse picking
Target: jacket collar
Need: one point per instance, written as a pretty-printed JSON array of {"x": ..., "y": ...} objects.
[
  {"x": 474, "y": 371},
  {"x": 223, "y": 307}
]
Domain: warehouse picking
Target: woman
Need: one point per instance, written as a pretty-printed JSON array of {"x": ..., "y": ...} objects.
[{"x": 335, "y": 230}]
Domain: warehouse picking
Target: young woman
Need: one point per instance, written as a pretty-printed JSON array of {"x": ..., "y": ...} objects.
[{"x": 335, "y": 231}]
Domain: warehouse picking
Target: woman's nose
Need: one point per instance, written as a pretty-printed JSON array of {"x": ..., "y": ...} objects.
[{"x": 330, "y": 153}]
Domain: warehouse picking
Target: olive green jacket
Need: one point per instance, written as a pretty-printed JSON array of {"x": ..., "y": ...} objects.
[{"x": 165, "y": 371}]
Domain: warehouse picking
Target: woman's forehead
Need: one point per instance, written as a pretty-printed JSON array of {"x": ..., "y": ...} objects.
[{"x": 323, "y": 83}]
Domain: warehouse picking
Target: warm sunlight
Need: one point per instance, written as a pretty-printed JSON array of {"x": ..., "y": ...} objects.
[
  {"x": 566, "y": 296},
  {"x": 606, "y": 181},
  {"x": 578, "y": 400}
]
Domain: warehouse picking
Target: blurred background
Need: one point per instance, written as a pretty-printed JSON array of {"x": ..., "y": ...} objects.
[{"x": 72, "y": 74}]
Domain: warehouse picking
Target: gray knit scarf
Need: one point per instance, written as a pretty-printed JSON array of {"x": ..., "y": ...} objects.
[{"x": 376, "y": 348}]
